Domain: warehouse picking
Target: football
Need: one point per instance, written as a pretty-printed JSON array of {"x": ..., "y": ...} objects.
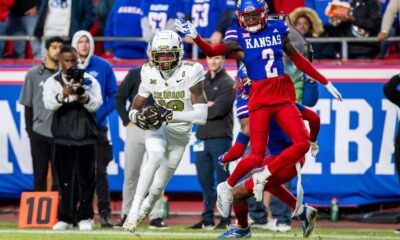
[{"x": 152, "y": 117}]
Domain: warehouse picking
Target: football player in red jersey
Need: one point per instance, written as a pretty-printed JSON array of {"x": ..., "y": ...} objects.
[{"x": 260, "y": 45}]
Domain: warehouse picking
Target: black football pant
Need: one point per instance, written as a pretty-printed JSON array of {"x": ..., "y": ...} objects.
[
  {"x": 75, "y": 162},
  {"x": 41, "y": 152}
]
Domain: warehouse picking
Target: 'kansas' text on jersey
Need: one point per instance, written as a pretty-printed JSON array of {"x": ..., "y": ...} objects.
[{"x": 263, "y": 50}]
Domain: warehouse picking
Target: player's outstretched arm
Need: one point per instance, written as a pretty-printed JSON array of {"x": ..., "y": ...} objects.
[
  {"x": 305, "y": 66},
  {"x": 200, "y": 109},
  {"x": 189, "y": 30}
]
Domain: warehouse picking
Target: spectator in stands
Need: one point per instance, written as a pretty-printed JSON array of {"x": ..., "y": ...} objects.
[
  {"x": 134, "y": 148},
  {"x": 21, "y": 21},
  {"x": 390, "y": 14},
  {"x": 124, "y": 15},
  {"x": 214, "y": 138},
  {"x": 159, "y": 15},
  {"x": 4, "y": 9},
  {"x": 363, "y": 21},
  {"x": 103, "y": 72},
  {"x": 74, "y": 98},
  {"x": 390, "y": 89},
  {"x": 309, "y": 25},
  {"x": 211, "y": 18},
  {"x": 64, "y": 18},
  {"x": 103, "y": 8},
  {"x": 37, "y": 118},
  {"x": 319, "y": 7}
]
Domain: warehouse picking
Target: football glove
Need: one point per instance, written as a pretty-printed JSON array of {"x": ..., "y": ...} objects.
[
  {"x": 314, "y": 148},
  {"x": 329, "y": 86},
  {"x": 138, "y": 118},
  {"x": 165, "y": 115},
  {"x": 185, "y": 27}
]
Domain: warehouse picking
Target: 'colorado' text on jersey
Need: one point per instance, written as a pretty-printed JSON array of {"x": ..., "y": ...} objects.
[
  {"x": 263, "y": 50},
  {"x": 174, "y": 92}
]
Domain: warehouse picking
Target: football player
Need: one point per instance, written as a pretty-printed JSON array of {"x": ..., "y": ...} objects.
[
  {"x": 278, "y": 141},
  {"x": 177, "y": 87},
  {"x": 260, "y": 44}
]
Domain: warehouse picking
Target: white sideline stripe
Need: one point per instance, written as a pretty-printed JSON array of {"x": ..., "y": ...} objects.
[{"x": 164, "y": 233}]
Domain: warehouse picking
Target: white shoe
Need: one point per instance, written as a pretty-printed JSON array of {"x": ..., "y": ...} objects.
[
  {"x": 282, "y": 227},
  {"x": 86, "y": 225},
  {"x": 61, "y": 225},
  {"x": 270, "y": 225},
  {"x": 224, "y": 199},
  {"x": 259, "y": 184},
  {"x": 131, "y": 224},
  {"x": 308, "y": 217}
]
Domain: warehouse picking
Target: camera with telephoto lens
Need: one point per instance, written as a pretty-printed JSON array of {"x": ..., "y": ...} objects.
[{"x": 75, "y": 77}]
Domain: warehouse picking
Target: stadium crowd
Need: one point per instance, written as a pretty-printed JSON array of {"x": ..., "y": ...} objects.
[
  {"x": 141, "y": 19},
  {"x": 82, "y": 153}
]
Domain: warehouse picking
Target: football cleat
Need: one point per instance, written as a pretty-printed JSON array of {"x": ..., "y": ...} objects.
[
  {"x": 130, "y": 225},
  {"x": 224, "y": 199},
  {"x": 259, "y": 184},
  {"x": 236, "y": 232},
  {"x": 308, "y": 218}
]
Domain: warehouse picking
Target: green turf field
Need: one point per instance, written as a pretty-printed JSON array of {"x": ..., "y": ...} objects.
[{"x": 11, "y": 232}]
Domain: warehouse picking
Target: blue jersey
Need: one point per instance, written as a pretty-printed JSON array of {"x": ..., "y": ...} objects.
[
  {"x": 263, "y": 49},
  {"x": 206, "y": 13},
  {"x": 124, "y": 15},
  {"x": 159, "y": 12}
]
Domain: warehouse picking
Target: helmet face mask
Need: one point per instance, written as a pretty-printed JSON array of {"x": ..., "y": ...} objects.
[
  {"x": 252, "y": 15},
  {"x": 166, "y": 51}
]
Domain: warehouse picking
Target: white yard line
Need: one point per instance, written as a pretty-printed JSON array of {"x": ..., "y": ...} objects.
[{"x": 165, "y": 233}]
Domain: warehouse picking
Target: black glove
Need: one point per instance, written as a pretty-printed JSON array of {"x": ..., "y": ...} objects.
[
  {"x": 140, "y": 120},
  {"x": 164, "y": 114}
]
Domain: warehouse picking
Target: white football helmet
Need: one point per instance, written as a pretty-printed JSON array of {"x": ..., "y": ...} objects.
[{"x": 166, "y": 50}]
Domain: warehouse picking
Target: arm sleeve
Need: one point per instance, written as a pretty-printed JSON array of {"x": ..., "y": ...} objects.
[
  {"x": 389, "y": 16},
  {"x": 314, "y": 122},
  {"x": 224, "y": 101},
  {"x": 305, "y": 66},
  {"x": 197, "y": 116},
  {"x": 124, "y": 91},
  {"x": 89, "y": 15},
  {"x": 28, "y": 120},
  {"x": 111, "y": 89},
  {"x": 390, "y": 90},
  {"x": 50, "y": 92},
  {"x": 208, "y": 49},
  {"x": 310, "y": 93},
  {"x": 94, "y": 93}
]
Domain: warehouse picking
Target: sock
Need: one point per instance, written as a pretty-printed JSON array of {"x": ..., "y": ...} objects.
[
  {"x": 241, "y": 213},
  {"x": 243, "y": 167},
  {"x": 237, "y": 149},
  {"x": 265, "y": 173}
]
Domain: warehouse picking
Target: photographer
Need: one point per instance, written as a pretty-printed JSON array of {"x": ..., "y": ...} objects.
[
  {"x": 74, "y": 97},
  {"x": 103, "y": 72}
]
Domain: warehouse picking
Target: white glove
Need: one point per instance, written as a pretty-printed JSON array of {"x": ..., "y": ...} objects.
[
  {"x": 314, "y": 148},
  {"x": 186, "y": 28},
  {"x": 329, "y": 86}
]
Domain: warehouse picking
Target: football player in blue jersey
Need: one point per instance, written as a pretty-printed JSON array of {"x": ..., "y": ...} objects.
[
  {"x": 260, "y": 44},
  {"x": 277, "y": 143}
]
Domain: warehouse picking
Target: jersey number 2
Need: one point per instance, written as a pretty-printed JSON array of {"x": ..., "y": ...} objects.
[{"x": 268, "y": 53}]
